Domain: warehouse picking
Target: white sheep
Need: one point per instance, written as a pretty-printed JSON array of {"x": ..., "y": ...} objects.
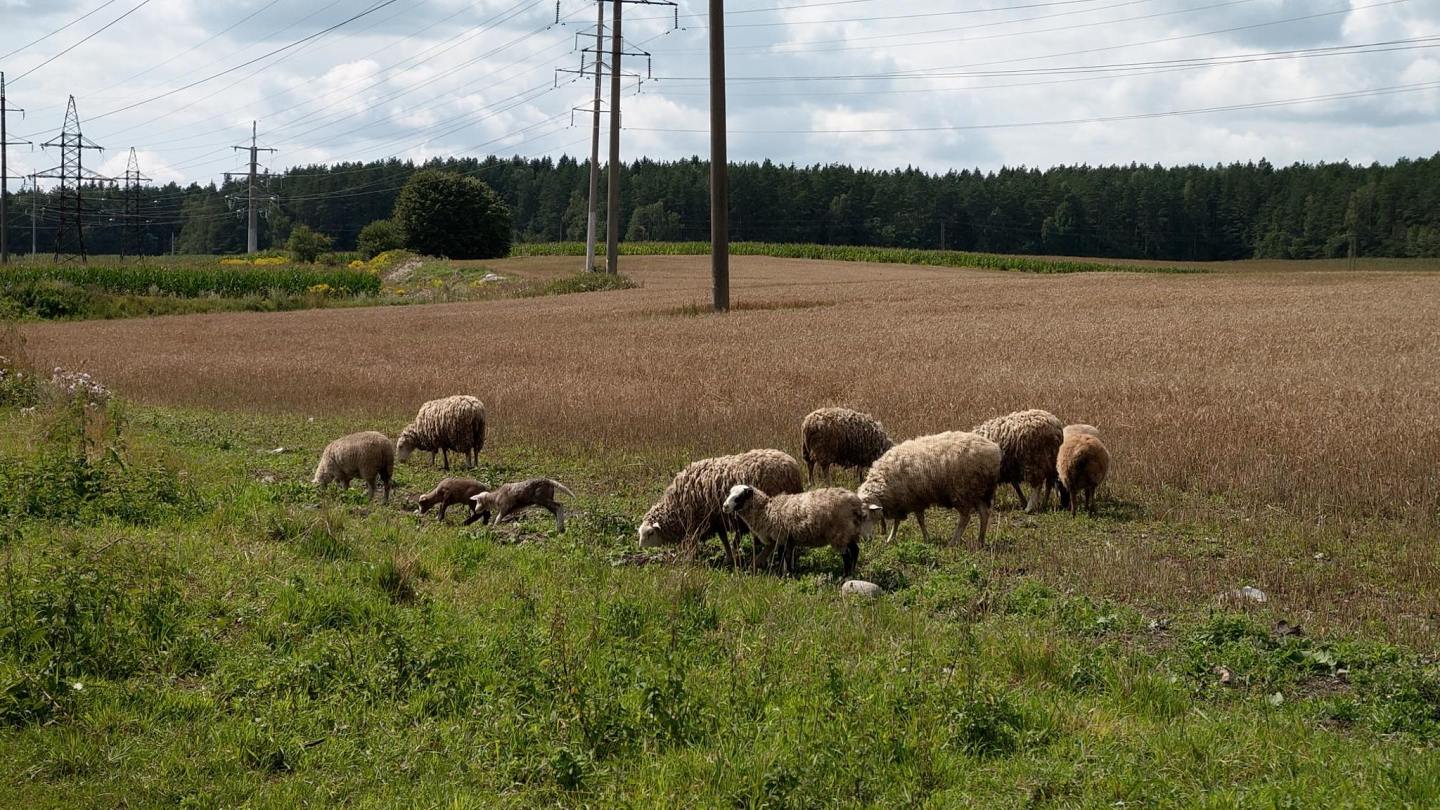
[
  {"x": 368, "y": 456},
  {"x": 1029, "y": 443},
  {"x": 954, "y": 470},
  {"x": 691, "y": 508},
  {"x": 454, "y": 423},
  {"x": 822, "y": 517},
  {"x": 843, "y": 438}
]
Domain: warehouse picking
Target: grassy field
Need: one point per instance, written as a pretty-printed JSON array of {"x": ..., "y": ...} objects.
[{"x": 236, "y": 638}]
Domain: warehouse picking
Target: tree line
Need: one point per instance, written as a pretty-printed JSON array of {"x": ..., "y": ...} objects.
[{"x": 1202, "y": 213}]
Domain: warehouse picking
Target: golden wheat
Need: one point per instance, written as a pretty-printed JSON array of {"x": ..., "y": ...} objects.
[{"x": 1313, "y": 391}]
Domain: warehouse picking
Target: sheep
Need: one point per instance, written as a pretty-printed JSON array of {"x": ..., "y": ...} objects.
[
  {"x": 822, "y": 517},
  {"x": 1082, "y": 466},
  {"x": 691, "y": 507},
  {"x": 449, "y": 492},
  {"x": 1088, "y": 430},
  {"x": 442, "y": 425},
  {"x": 956, "y": 470},
  {"x": 1029, "y": 443},
  {"x": 368, "y": 456},
  {"x": 841, "y": 437},
  {"x": 507, "y": 500}
]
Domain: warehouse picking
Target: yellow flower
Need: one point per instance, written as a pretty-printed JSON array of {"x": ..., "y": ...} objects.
[
  {"x": 320, "y": 289},
  {"x": 356, "y": 264},
  {"x": 234, "y": 261}
]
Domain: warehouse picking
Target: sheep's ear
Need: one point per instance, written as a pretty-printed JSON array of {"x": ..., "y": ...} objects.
[
  {"x": 476, "y": 498},
  {"x": 872, "y": 508}
]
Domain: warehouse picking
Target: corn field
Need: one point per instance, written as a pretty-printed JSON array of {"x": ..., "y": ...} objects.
[
  {"x": 847, "y": 253},
  {"x": 196, "y": 280}
]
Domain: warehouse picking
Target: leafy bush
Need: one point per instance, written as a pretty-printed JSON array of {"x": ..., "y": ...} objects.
[
  {"x": 454, "y": 215},
  {"x": 588, "y": 282},
  {"x": 378, "y": 237},
  {"x": 306, "y": 245}
]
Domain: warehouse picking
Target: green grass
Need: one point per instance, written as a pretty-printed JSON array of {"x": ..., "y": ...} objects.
[
  {"x": 938, "y": 258},
  {"x": 185, "y": 622}
]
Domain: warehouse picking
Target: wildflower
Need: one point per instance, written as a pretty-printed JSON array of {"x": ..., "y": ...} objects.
[{"x": 78, "y": 686}]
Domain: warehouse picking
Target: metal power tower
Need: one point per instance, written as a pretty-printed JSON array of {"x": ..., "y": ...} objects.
[
  {"x": 600, "y": 68},
  {"x": 252, "y": 205},
  {"x": 132, "y": 238},
  {"x": 70, "y": 231},
  {"x": 5, "y": 143}
]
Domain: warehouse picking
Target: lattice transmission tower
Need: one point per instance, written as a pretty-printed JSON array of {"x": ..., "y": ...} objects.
[{"x": 70, "y": 196}]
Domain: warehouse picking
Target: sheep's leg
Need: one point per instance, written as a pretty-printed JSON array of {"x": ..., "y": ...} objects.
[
  {"x": 369, "y": 489},
  {"x": 440, "y": 517},
  {"x": 960, "y": 528},
  {"x": 810, "y": 472},
  {"x": 476, "y": 514},
  {"x": 729, "y": 548},
  {"x": 895, "y": 527},
  {"x": 984, "y": 524},
  {"x": 1063, "y": 493},
  {"x": 827, "y": 475},
  {"x": 1033, "y": 504},
  {"x": 1019, "y": 495},
  {"x": 920, "y": 519},
  {"x": 851, "y": 555},
  {"x": 1090, "y": 499},
  {"x": 559, "y": 512}
]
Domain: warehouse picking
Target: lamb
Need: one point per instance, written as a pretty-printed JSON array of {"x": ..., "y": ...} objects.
[
  {"x": 448, "y": 493},
  {"x": 823, "y": 517},
  {"x": 1081, "y": 467},
  {"x": 691, "y": 508},
  {"x": 508, "y": 500},
  {"x": 1029, "y": 444},
  {"x": 1088, "y": 430},
  {"x": 955, "y": 470},
  {"x": 454, "y": 423},
  {"x": 368, "y": 456},
  {"x": 842, "y": 437}
]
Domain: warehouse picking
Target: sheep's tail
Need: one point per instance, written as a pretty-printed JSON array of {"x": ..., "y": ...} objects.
[{"x": 562, "y": 488}]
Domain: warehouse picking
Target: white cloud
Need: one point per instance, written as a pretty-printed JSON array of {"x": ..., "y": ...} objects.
[{"x": 445, "y": 77}]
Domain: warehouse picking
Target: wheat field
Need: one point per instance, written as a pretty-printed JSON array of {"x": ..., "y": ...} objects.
[{"x": 1309, "y": 391}]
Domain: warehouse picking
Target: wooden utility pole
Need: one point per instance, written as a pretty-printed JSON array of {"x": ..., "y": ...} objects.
[
  {"x": 592, "y": 216},
  {"x": 719, "y": 164},
  {"x": 612, "y": 205}
]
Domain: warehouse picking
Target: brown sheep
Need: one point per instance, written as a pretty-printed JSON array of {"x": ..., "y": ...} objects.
[
  {"x": 1082, "y": 466},
  {"x": 1029, "y": 443},
  {"x": 841, "y": 437}
]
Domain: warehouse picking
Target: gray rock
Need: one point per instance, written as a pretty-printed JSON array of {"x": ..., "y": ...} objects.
[
  {"x": 860, "y": 587},
  {"x": 1251, "y": 594}
]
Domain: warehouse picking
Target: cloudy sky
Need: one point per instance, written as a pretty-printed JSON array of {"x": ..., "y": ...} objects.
[{"x": 881, "y": 83}]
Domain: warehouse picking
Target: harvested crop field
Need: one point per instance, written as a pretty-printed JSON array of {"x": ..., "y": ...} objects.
[{"x": 1308, "y": 391}]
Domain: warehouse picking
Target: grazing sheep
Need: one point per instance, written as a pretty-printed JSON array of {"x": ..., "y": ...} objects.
[
  {"x": 953, "y": 470},
  {"x": 841, "y": 437},
  {"x": 1081, "y": 467},
  {"x": 449, "y": 492},
  {"x": 454, "y": 423},
  {"x": 507, "y": 500},
  {"x": 823, "y": 517},
  {"x": 368, "y": 456},
  {"x": 1029, "y": 443},
  {"x": 691, "y": 509}
]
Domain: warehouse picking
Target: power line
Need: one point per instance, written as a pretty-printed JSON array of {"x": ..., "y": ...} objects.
[
  {"x": 86, "y": 39},
  {"x": 1376, "y": 91},
  {"x": 58, "y": 30}
]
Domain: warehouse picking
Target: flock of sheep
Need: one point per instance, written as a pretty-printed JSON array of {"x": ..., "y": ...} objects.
[{"x": 763, "y": 491}]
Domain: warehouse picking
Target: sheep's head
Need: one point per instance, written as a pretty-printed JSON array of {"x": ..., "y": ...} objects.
[
  {"x": 405, "y": 445},
  {"x": 484, "y": 500},
  {"x": 870, "y": 513},
  {"x": 323, "y": 475},
  {"x": 651, "y": 534},
  {"x": 740, "y": 495}
]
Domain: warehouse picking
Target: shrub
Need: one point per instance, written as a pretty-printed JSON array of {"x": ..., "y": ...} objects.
[
  {"x": 451, "y": 214},
  {"x": 380, "y": 236},
  {"x": 306, "y": 245}
]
